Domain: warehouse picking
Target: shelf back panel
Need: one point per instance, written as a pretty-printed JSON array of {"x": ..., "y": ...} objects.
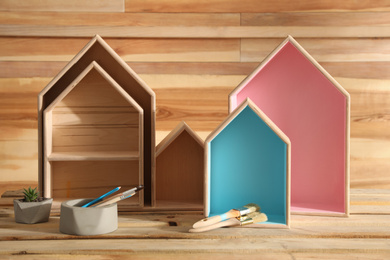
[
  {"x": 90, "y": 179},
  {"x": 179, "y": 170},
  {"x": 94, "y": 117}
]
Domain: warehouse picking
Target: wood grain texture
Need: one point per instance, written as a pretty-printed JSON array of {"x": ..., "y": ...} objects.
[
  {"x": 284, "y": 247},
  {"x": 154, "y": 50},
  {"x": 179, "y": 170},
  {"x": 71, "y": 179},
  {"x": 119, "y": 19},
  {"x": 192, "y": 54},
  {"x": 48, "y": 69},
  {"x": 367, "y": 94},
  {"x": 365, "y": 234},
  {"x": 250, "y": 6},
  {"x": 27, "y": 69},
  {"x": 193, "y": 31},
  {"x": 316, "y": 19},
  {"x": 323, "y": 50},
  {"x": 62, "y": 6}
]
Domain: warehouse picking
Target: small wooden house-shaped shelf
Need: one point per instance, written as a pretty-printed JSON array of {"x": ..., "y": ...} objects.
[
  {"x": 93, "y": 136},
  {"x": 248, "y": 161},
  {"x": 179, "y": 177},
  {"x": 313, "y": 110},
  {"x": 98, "y": 51}
]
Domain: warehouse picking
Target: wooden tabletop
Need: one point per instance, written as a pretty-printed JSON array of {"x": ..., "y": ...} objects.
[{"x": 364, "y": 234}]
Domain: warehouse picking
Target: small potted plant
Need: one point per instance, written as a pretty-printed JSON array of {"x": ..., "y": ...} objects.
[{"x": 32, "y": 209}]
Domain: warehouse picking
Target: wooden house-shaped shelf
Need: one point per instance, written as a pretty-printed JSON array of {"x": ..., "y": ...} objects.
[
  {"x": 97, "y": 88},
  {"x": 179, "y": 170},
  {"x": 313, "y": 110},
  {"x": 248, "y": 161},
  {"x": 93, "y": 136}
]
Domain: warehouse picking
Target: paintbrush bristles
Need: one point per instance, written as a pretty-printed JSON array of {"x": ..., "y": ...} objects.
[
  {"x": 233, "y": 213},
  {"x": 254, "y": 217},
  {"x": 254, "y": 207},
  {"x": 261, "y": 217},
  {"x": 251, "y": 207}
]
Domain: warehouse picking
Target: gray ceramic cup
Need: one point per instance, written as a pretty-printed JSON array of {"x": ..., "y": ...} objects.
[{"x": 75, "y": 220}]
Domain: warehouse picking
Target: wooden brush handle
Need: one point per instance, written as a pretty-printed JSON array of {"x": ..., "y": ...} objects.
[
  {"x": 105, "y": 200},
  {"x": 215, "y": 219},
  {"x": 226, "y": 223}
]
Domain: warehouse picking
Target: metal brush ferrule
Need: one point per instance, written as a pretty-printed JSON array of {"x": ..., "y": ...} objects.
[
  {"x": 244, "y": 211},
  {"x": 243, "y": 218},
  {"x": 247, "y": 222}
]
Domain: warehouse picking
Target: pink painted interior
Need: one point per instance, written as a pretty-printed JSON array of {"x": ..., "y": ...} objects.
[{"x": 311, "y": 111}]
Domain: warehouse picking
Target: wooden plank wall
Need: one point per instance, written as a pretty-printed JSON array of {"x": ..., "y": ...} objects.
[{"x": 193, "y": 53}]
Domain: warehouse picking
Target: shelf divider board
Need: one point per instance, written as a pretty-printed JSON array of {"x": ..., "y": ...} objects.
[
  {"x": 313, "y": 110},
  {"x": 94, "y": 156},
  {"x": 247, "y": 160},
  {"x": 93, "y": 133}
]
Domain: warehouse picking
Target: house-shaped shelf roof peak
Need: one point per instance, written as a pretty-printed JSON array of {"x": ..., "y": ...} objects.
[
  {"x": 313, "y": 110},
  {"x": 248, "y": 103},
  {"x": 182, "y": 126},
  {"x": 288, "y": 42},
  {"x": 248, "y": 161},
  {"x": 96, "y": 44},
  {"x": 95, "y": 71}
]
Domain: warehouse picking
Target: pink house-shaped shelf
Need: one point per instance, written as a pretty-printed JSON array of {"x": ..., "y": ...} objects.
[
  {"x": 313, "y": 110},
  {"x": 130, "y": 87},
  {"x": 179, "y": 177},
  {"x": 248, "y": 161}
]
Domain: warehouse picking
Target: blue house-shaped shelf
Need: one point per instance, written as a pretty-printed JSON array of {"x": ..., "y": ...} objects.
[{"x": 248, "y": 161}]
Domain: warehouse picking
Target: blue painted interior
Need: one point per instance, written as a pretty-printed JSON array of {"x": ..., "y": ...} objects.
[{"x": 247, "y": 164}]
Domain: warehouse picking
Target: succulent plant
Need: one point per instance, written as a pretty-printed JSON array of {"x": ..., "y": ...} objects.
[{"x": 30, "y": 194}]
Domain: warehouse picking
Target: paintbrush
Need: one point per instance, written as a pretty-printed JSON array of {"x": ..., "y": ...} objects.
[
  {"x": 251, "y": 218},
  {"x": 233, "y": 213},
  {"x": 100, "y": 198},
  {"x": 120, "y": 196}
]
